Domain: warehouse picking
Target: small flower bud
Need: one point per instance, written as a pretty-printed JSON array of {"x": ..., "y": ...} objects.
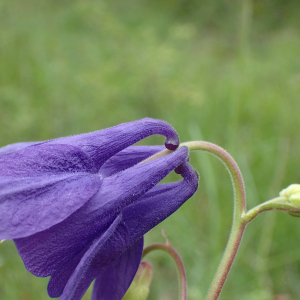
[
  {"x": 292, "y": 195},
  {"x": 139, "y": 288}
]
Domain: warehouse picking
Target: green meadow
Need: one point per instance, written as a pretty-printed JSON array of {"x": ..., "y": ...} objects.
[{"x": 227, "y": 72}]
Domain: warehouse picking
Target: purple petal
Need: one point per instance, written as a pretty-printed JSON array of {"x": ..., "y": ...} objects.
[
  {"x": 16, "y": 146},
  {"x": 127, "y": 186},
  {"x": 45, "y": 159},
  {"x": 88, "y": 269},
  {"x": 29, "y": 205},
  {"x": 114, "y": 273},
  {"x": 120, "y": 268},
  {"x": 46, "y": 252},
  {"x": 60, "y": 278},
  {"x": 137, "y": 219},
  {"x": 42, "y": 185},
  {"x": 158, "y": 204},
  {"x": 113, "y": 282},
  {"x": 103, "y": 144},
  {"x": 72, "y": 235},
  {"x": 128, "y": 158}
]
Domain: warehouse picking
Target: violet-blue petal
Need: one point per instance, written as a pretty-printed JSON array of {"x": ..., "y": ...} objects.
[
  {"x": 29, "y": 205},
  {"x": 113, "y": 282},
  {"x": 103, "y": 144},
  {"x": 128, "y": 158},
  {"x": 60, "y": 278},
  {"x": 38, "y": 252},
  {"x": 136, "y": 220},
  {"x": 16, "y": 146},
  {"x": 151, "y": 209},
  {"x": 158, "y": 204},
  {"x": 87, "y": 270},
  {"x": 118, "y": 269},
  {"x": 129, "y": 185},
  {"x": 45, "y": 159},
  {"x": 41, "y": 187},
  {"x": 114, "y": 273}
]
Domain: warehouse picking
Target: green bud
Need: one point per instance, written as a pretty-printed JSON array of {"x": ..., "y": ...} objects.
[
  {"x": 292, "y": 192},
  {"x": 139, "y": 288},
  {"x": 292, "y": 195},
  {"x": 136, "y": 293}
]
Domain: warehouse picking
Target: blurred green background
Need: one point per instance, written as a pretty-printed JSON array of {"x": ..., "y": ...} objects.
[{"x": 224, "y": 71}]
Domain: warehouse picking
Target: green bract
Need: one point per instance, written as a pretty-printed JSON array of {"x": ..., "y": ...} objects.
[{"x": 139, "y": 288}]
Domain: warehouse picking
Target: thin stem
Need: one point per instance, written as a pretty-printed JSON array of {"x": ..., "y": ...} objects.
[
  {"x": 240, "y": 216},
  {"x": 225, "y": 265},
  {"x": 180, "y": 268},
  {"x": 227, "y": 160},
  {"x": 279, "y": 203},
  {"x": 238, "y": 224},
  {"x": 158, "y": 155}
]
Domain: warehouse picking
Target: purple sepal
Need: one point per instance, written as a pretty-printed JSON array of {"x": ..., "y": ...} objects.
[
  {"x": 103, "y": 144},
  {"x": 44, "y": 160},
  {"x": 16, "y": 147},
  {"x": 113, "y": 282},
  {"x": 114, "y": 271},
  {"x": 41, "y": 186},
  {"x": 127, "y": 158},
  {"x": 159, "y": 203},
  {"x": 78, "y": 207},
  {"x": 87, "y": 269},
  {"x": 93, "y": 218},
  {"x": 135, "y": 221}
]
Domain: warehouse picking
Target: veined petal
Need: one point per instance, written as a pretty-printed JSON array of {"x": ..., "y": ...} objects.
[
  {"x": 137, "y": 219},
  {"x": 32, "y": 204},
  {"x": 16, "y": 146},
  {"x": 103, "y": 144},
  {"x": 42, "y": 185},
  {"x": 121, "y": 270},
  {"x": 60, "y": 278},
  {"x": 158, "y": 204},
  {"x": 114, "y": 274},
  {"x": 123, "y": 160},
  {"x": 45, "y": 159},
  {"x": 113, "y": 282},
  {"x": 46, "y": 252},
  {"x": 128, "y": 158},
  {"x": 129, "y": 185},
  {"x": 117, "y": 191},
  {"x": 87, "y": 269}
]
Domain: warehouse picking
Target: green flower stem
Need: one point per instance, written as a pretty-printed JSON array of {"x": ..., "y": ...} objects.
[
  {"x": 240, "y": 216},
  {"x": 238, "y": 224},
  {"x": 279, "y": 203},
  {"x": 233, "y": 169},
  {"x": 180, "y": 268},
  {"x": 231, "y": 165}
]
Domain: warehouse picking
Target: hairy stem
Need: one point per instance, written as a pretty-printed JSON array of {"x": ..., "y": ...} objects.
[
  {"x": 238, "y": 224},
  {"x": 180, "y": 268},
  {"x": 279, "y": 203},
  {"x": 240, "y": 216}
]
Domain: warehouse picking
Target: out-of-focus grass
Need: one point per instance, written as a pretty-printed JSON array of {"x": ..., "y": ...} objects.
[{"x": 68, "y": 67}]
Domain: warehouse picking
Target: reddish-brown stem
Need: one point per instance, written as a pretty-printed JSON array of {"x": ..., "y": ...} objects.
[{"x": 180, "y": 268}]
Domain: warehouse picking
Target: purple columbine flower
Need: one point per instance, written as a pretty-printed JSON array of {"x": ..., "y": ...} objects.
[{"x": 78, "y": 207}]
